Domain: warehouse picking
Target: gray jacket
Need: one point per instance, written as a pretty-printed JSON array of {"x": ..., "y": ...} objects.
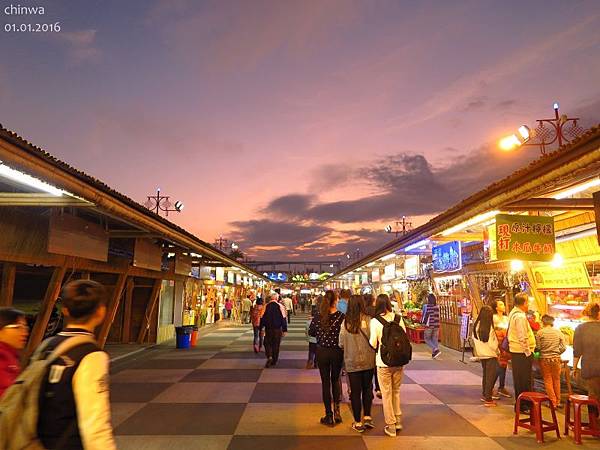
[{"x": 358, "y": 354}]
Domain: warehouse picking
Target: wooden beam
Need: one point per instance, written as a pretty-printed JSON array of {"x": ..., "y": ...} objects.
[
  {"x": 41, "y": 321},
  {"x": 552, "y": 204},
  {"x": 81, "y": 264},
  {"x": 131, "y": 234},
  {"x": 41, "y": 199},
  {"x": 127, "y": 311},
  {"x": 111, "y": 309},
  {"x": 7, "y": 286},
  {"x": 147, "y": 319}
]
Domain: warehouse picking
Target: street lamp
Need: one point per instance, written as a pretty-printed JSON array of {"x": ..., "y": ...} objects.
[
  {"x": 547, "y": 132},
  {"x": 159, "y": 203},
  {"x": 402, "y": 227}
]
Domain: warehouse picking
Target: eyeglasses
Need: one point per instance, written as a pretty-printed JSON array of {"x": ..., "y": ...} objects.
[{"x": 17, "y": 326}]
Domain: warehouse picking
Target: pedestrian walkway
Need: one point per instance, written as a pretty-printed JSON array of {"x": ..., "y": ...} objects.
[{"x": 219, "y": 396}]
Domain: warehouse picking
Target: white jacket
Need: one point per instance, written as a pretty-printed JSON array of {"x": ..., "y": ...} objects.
[{"x": 486, "y": 350}]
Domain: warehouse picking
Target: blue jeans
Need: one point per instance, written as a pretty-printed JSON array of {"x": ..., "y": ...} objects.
[{"x": 431, "y": 336}]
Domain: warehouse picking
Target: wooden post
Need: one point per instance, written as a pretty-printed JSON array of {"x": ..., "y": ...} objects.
[
  {"x": 41, "y": 321},
  {"x": 152, "y": 301},
  {"x": 7, "y": 288},
  {"x": 127, "y": 311},
  {"x": 111, "y": 309}
]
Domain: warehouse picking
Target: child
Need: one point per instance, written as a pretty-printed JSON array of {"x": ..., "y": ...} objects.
[
  {"x": 312, "y": 343},
  {"x": 551, "y": 344}
]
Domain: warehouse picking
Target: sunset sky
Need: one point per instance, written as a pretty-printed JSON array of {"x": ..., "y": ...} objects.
[{"x": 298, "y": 128}]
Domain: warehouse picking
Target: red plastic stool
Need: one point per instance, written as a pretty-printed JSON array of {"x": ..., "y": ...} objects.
[
  {"x": 578, "y": 427},
  {"x": 535, "y": 421}
]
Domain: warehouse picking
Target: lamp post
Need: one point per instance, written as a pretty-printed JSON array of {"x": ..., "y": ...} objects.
[
  {"x": 402, "y": 227},
  {"x": 159, "y": 203},
  {"x": 560, "y": 129}
]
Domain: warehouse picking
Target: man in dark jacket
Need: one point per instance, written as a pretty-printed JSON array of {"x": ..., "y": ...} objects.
[{"x": 275, "y": 325}]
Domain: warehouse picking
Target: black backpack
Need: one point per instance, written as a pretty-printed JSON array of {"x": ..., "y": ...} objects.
[{"x": 395, "y": 349}]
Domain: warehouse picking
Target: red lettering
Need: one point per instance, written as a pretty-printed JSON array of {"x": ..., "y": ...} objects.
[
  {"x": 504, "y": 244},
  {"x": 537, "y": 248},
  {"x": 527, "y": 248},
  {"x": 504, "y": 231}
]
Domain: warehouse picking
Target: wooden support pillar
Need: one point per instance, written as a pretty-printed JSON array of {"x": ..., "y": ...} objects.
[
  {"x": 152, "y": 302},
  {"x": 127, "y": 311},
  {"x": 41, "y": 321},
  {"x": 7, "y": 286},
  {"x": 111, "y": 309}
]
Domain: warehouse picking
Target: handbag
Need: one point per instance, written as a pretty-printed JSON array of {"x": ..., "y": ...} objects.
[{"x": 505, "y": 345}]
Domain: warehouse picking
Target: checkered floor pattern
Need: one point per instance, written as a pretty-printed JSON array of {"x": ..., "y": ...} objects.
[{"x": 219, "y": 396}]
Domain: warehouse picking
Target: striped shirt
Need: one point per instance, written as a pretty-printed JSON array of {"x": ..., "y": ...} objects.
[
  {"x": 550, "y": 342},
  {"x": 431, "y": 316}
]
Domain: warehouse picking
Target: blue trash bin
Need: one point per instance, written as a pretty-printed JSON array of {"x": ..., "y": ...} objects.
[{"x": 183, "y": 335}]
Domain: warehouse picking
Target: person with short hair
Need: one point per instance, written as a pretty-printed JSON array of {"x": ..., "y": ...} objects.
[
  {"x": 390, "y": 378},
  {"x": 275, "y": 325},
  {"x": 74, "y": 408},
  {"x": 342, "y": 304},
  {"x": 586, "y": 347},
  {"x": 246, "y": 307},
  {"x": 521, "y": 345},
  {"x": 257, "y": 311},
  {"x": 551, "y": 344},
  {"x": 13, "y": 338},
  {"x": 311, "y": 363}
]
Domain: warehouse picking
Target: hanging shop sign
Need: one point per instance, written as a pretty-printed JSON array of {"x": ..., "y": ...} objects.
[
  {"x": 489, "y": 244},
  {"x": 389, "y": 272},
  {"x": 356, "y": 280},
  {"x": 597, "y": 213},
  {"x": 568, "y": 276},
  {"x": 472, "y": 253},
  {"x": 412, "y": 266},
  {"x": 231, "y": 277},
  {"x": 446, "y": 257},
  {"x": 238, "y": 278},
  {"x": 276, "y": 276},
  {"x": 205, "y": 273},
  {"x": 375, "y": 276},
  {"x": 527, "y": 238},
  {"x": 365, "y": 278},
  {"x": 220, "y": 274}
]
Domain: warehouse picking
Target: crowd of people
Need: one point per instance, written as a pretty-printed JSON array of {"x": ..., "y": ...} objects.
[{"x": 359, "y": 335}]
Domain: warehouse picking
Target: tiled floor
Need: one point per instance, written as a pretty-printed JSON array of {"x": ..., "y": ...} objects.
[{"x": 219, "y": 396}]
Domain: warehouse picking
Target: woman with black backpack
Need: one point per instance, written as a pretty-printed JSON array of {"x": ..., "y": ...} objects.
[
  {"x": 325, "y": 326},
  {"x": 386, "y": 326}
]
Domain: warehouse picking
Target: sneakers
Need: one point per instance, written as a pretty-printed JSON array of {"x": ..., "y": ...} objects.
[
  {"x": 327, "y": 420},
  {"x": 358, "y": 426},
  {"x": 390, "y": 431},
  {"x": 495, "y": 396},
  {"x": 504, "y": 393},
  {"x": 436, "y": 354},
  {"x": 378, "y": 394},
  {"x": 398, "y": 423},
  {"x": 269, "y": 363},
  {"x": 368, "y": 422},
  {"x": 490, "y": 404}
]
